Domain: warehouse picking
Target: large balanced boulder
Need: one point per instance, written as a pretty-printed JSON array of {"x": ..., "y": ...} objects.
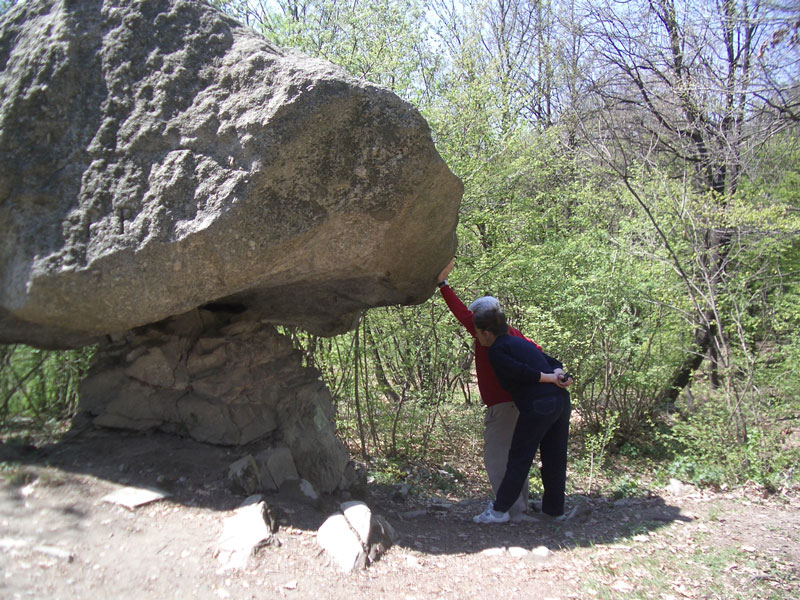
[{"x": 156, "y": 156}]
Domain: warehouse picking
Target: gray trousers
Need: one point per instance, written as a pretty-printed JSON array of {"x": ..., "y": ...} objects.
[{"x": 498, "y": 428}]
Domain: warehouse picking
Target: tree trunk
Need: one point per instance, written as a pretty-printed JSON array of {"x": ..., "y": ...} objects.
[{"x": 691, "y": 362}]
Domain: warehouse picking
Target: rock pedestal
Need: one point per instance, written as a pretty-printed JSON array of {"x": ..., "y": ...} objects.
[{"x": 221, "y": 377}]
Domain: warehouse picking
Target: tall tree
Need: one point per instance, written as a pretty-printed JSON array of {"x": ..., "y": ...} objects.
[{"x": 689, "y": 88}]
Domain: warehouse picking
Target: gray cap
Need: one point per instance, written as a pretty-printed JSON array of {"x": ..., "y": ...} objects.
[{"x": 484, "y": 303}]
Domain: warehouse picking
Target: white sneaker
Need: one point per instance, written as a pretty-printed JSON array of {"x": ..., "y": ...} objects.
[{"x": 490, "y": 515}]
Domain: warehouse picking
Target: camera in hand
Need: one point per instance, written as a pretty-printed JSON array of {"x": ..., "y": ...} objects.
[{"x": 564, "y": 377}]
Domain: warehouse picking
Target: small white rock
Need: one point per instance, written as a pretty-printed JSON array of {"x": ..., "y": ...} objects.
[
  {"x": 413, "y": 561},
  {"x": 540, "y": 553}
]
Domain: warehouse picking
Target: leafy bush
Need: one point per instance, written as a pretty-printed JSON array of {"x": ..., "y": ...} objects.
[
  {"x": 627, "y": 486},
  {"x": 706, "y": 451},
  {"x": 40, "y": 385}
]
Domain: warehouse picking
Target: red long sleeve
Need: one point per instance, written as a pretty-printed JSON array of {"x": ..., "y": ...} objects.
[{"x": 490, "y": 389}]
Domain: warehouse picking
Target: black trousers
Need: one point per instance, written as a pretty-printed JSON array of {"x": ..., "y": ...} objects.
[{"x": 542, "y": 425}]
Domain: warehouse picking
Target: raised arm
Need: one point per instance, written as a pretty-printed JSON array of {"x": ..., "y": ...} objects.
[{"x": 456, "y": 306}]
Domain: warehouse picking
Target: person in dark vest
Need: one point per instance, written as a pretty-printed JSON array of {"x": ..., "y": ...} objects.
[{"x": 537, "y": 384}]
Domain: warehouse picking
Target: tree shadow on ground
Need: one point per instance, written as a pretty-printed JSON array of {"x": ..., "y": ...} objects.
[
  {"x": 606, "y": 522},
  {"x": 195, "y": 475}
]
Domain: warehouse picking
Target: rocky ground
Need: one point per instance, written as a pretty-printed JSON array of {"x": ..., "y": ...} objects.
[{"x": 60, "y": 539}]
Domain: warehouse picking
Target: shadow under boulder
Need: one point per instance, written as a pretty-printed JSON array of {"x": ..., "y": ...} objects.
[{"x": 221, "y": 377}]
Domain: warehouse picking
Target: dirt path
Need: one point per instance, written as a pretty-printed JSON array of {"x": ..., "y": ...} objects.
[{"x": 59, "y": 539}]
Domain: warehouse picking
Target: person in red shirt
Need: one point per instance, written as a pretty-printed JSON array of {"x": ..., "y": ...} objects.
[{"x": 501, "y": 413}]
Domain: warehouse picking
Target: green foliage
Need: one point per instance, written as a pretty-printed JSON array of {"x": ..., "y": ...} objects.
[
  {"x": 6, "y": 4},
  {"x": 382, "y": 41},
  {"x": 40, "y": 385},
  {"x": 423, "y": 477},
  {"x": 535, "y": 486},
  {"x": 589, "y": 294},
  {"x": 387, "y": 471},
  {"x": 597, "y": 444},
  {"x": 613, "y": 261},
  {"x": 401, "y": 383},
  {"x": 626, "y": 487},
  {"x": 707, "y": 452}
]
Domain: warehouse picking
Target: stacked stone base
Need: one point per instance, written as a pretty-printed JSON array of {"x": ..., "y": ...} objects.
[{"x": 218, "y": 375}]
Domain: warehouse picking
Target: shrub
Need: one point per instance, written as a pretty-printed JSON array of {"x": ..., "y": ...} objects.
[{"x": 40, "y": 385}]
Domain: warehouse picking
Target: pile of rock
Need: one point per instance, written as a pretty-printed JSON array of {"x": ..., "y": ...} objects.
[
  {"x": 226, "y": 378},
  {"x": 352, "y": 538}
]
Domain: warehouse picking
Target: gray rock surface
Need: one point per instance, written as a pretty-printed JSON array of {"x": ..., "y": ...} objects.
[
  {"x": 223, "y": 378},
  {"x": 275, "y": 465},
  {"x": 155, "y": 156},
  {"x": 244, "y": 533},
  {"x": 355, "y": 537},
  {"x": 300, "y": 491},
  {"x": 244, "y": 475}
]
